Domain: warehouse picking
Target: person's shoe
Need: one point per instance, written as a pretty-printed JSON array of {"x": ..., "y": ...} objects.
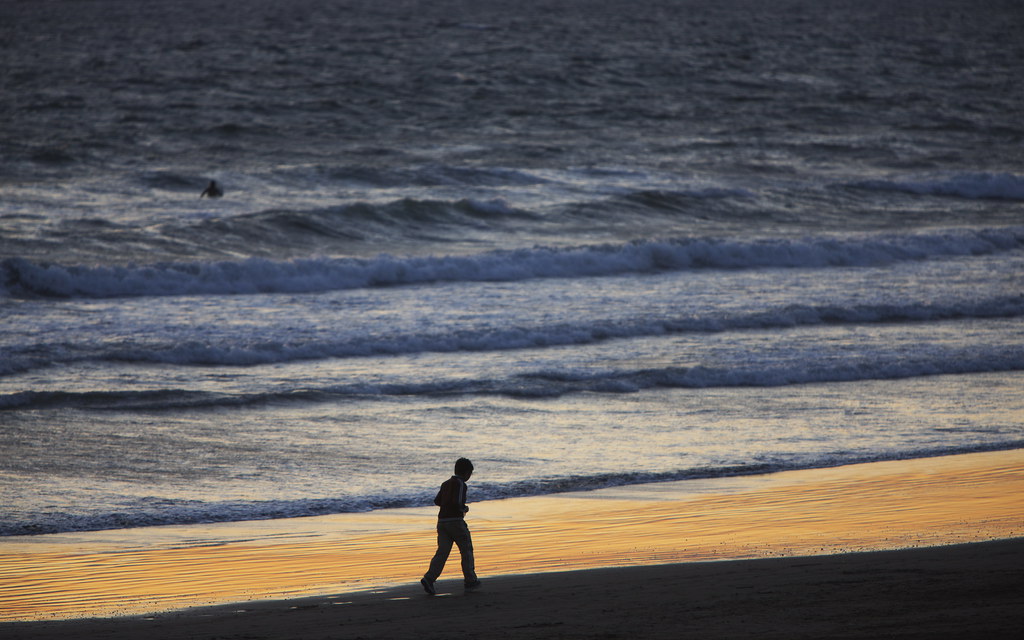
[
  {"x": 473, "y": 586},
  {"x": 428, "y": 586}
]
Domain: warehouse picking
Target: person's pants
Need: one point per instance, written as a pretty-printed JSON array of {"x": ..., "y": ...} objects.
[{"x": 452, "y": 532}]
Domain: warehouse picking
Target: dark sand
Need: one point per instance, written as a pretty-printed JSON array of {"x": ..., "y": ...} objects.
[{"x": 962, "y": 591}]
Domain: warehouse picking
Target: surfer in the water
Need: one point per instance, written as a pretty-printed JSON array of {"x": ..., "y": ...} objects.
[{"x": 212, "y": 190}]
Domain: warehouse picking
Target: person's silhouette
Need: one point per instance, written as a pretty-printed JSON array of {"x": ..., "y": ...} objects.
[
  {"x": 212, "y": 190},
  {"x": 452, "y": 528}
]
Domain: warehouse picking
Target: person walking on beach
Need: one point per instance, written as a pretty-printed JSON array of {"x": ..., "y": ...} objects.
[{"x": 452, "y": 529}]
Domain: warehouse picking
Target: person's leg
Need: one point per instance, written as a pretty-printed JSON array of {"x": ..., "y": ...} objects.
[
  {"x": 459, "y": 532},
  {"x": 444, "y": 547}
]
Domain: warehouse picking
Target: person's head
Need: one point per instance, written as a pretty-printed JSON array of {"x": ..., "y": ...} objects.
[{"x": 463, "y": 468}]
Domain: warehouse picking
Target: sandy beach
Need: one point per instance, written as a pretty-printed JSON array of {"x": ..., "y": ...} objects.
[
  {"x": 966, "y": 591},
  {"x": 921, "y": 548}
]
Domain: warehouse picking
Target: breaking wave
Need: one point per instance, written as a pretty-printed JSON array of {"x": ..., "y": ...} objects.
[
  {"x": 20, "y": 277},
  {"x": 554, "y": 383}
]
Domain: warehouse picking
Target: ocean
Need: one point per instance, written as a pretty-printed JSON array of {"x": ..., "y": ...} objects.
[{"x": 584, "y": 243}]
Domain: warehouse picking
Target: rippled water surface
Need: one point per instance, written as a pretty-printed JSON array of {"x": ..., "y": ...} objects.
[{"x": 581, "y": 242}]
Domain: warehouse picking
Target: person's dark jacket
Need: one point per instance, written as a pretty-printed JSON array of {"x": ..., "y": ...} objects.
[{"x": 452, "y": 499}]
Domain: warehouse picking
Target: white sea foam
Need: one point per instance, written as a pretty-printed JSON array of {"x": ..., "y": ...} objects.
[
  {"x": 271, "y": 349},
  {"x": 797, "y": 357}
]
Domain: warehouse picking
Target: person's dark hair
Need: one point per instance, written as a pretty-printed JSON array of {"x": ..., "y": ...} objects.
[{"x": 463, "y": 465}]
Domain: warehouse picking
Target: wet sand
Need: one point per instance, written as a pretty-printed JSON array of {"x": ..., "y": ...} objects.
[
  {"x": 295, "y": 576},
  {"x": 965, "y": 591}
]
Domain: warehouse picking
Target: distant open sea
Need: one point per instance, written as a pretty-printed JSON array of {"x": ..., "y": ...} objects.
[{"x": 583, "y": 243}]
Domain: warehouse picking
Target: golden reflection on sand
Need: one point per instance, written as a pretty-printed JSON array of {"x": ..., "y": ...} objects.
[{"x": 875, "y": 506}]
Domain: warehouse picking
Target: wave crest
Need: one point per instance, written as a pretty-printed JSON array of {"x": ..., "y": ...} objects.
[
  {"x": 20, "y": 277},
  {"x": 975, "y": 186}
]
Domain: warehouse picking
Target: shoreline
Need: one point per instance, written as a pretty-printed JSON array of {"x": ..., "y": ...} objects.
[{"x": 866, "y": 507}]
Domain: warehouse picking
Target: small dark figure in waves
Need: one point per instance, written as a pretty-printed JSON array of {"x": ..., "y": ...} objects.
[{"x": 212, "y": 190}]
